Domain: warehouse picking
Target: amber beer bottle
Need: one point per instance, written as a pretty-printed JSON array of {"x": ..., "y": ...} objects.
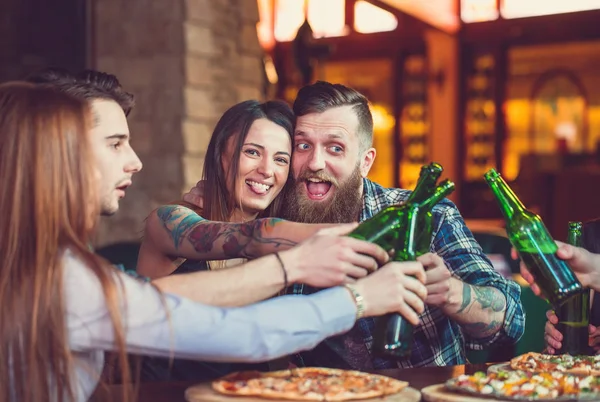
[
  {"x": 393, "y": 335},
  {"x": 535, "y": 246},
  {"x": 573, "y": 313}
]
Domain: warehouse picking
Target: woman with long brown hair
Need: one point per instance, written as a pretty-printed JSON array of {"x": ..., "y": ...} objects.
[
  {"x": 246, "y": 167},
  {"x": 61, "y": 305}
]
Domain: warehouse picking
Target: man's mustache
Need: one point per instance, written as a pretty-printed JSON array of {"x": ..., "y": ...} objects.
[{"x": 320, "y": 175}]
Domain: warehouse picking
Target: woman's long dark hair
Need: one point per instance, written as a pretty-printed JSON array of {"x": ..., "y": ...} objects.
[{"x": 219, "y": 202}]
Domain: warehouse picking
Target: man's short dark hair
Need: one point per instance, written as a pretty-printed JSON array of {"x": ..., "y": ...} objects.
[
  {"x": 88, "y": 85},
  {"x": 322, "y": 96}
]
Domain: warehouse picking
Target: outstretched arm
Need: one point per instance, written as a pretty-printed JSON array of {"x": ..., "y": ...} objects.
[
  {"x": 179, "y": 231},
  {"x": 325, "y": 259},
  {"x": 174, "y": 231}
]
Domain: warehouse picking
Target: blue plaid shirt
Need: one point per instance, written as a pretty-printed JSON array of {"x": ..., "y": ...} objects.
[{"x": 438, "y": 341}]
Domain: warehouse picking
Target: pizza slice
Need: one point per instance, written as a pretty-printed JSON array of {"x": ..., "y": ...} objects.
[{"x": 539, "y": 363}]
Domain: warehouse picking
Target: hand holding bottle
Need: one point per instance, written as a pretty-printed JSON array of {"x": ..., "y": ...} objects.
[
  {"x": 397, "y": 287},
  {"x": 552, "y": 336},
  {"x": 595, "y": 338},
  {"x": 584, "y": 264},
  {"x": 439, "y": 279},
  {"x": 329, "y": 259}
]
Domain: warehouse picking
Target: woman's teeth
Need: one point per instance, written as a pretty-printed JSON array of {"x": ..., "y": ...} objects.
[{"x": 258, "y": 187}]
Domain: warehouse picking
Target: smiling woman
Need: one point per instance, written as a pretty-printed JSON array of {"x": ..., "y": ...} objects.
[
  {"x": 248, "y": 160},
  {"x": 263, "y": 170},
  {"x": 246, "y": 168}
]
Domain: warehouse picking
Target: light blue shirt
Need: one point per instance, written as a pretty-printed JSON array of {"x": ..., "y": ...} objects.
[{"x": 173, "y": 326}]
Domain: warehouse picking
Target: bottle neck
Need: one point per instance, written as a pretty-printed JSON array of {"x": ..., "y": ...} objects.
[
  {"x": 507, "y": 199},
  {"x": 575, "y": 234},
  {"x": 439, "y": 193},
  {"x": 428, "y": 177}
]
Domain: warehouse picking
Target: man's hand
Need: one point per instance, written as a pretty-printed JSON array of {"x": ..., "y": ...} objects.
[
  {"x": 330, "y": 259},
  {"x": 397, "y": 287},
  {"x": 595, "y": 338},
  {"x": 552, "y": 336},
  {"x": 439, "y": 281},
  {"x": 479, "y": 310},
  {"x": 196, "y": 195},
  {"x": 585, "y": 265}
]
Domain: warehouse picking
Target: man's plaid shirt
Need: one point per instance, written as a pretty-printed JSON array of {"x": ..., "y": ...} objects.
[{"x": 438, "y": 341}]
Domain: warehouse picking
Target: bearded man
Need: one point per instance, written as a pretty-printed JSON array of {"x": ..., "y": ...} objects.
[{"x": 469, "y": 305}]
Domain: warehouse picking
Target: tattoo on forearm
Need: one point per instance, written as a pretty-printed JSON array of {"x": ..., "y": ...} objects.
[
  {"x": 234, "y": 238},
  {"x": 490, "y": 298},
  {"x": 466, "y": 301},
  {"x": 170, "y": 215},
  {"x": 482, "y": 329},
  {"x": 487, "y": 297}
]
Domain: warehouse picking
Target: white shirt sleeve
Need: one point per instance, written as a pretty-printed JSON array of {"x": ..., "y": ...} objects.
[{"x": 178, "y": 327}]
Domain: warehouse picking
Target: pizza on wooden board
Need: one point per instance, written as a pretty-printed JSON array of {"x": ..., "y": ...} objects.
[
  {"x": 521, "y": 385},
  {"x": 539, "y": 362},
  {"x": 308, "y": 384}
]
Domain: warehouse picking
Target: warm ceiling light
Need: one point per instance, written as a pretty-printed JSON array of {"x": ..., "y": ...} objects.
[
  {"x": 478, "y": 10},
  {"x": 532, "y": 8},
  {"x": 369, "y": 18}
]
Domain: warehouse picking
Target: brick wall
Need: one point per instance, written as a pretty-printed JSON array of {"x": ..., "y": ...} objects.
[{"x": 186, "y": 61}]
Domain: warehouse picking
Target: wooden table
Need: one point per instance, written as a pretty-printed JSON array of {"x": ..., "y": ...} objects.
[{"x": 417, "y": 377}]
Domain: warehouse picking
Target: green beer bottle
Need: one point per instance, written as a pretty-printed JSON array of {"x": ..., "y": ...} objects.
[
  {"x": 573, "y": 313},
  {"x": 535, "y": 246},
  {"x": 427, "y": 181},
  {"x": 383, "y": 229},
  {"x": 575, "y": 234},
  {"x": 393, "y": 335}
]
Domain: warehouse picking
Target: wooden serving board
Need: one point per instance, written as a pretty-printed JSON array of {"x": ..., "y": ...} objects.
[
  {"x": 438, "y": 393},
  {"x": 205, "y": 393}
]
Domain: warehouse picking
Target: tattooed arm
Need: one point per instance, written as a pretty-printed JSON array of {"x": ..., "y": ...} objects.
[
  {"x": 323, "y": 260},
  {"x": 174, "y": 231},
  {"x": 486, "y": 305},
  {"x": 479, "y": 309}
]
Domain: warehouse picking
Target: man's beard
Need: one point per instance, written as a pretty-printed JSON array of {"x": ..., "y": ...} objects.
[{"x": 343, "y": 207}]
